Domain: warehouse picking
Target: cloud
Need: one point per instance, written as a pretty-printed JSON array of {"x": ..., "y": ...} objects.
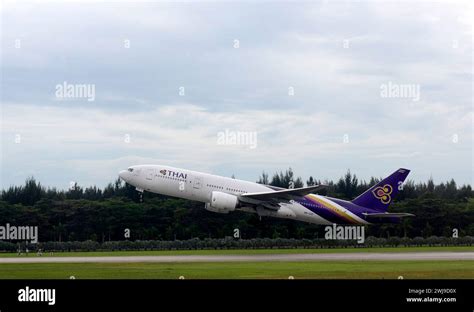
[
  {"x": 93, "y": 145},
  {"x": 191, "y": 46}
]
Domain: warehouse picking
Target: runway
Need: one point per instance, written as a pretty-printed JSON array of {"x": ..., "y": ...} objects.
[{"x": 359, "y": 256}]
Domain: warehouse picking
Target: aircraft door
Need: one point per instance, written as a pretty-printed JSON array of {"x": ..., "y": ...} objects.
[
  {"x": 149, "y": 174},
  {"x": 197, "y": 183},
  {"x": 197, "y": 187}
]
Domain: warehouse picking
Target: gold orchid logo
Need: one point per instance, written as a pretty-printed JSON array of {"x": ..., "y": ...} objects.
[{"x": 383, "y": 193}]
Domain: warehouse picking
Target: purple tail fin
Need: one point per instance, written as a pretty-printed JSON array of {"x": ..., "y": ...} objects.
[{"x": 380, "y": 196}]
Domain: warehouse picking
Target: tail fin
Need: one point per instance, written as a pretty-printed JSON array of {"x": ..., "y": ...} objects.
[{"x": 380, "y": 196}]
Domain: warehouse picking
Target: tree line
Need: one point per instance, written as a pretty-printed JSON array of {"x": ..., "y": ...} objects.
[{"x": 104, "y": 215}]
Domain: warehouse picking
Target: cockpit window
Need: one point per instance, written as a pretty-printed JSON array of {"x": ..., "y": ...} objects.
[{"x": 130, "y": 169}]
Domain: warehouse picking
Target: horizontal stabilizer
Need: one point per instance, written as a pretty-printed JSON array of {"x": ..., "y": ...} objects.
[{"x": 388, "y": 215}]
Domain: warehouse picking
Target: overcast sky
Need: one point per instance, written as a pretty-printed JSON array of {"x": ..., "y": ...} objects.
[{"x": 306, "y": 78}]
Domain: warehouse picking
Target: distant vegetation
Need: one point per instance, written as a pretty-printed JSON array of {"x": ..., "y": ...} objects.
[
  {"x": 102, "y": 215},
  {"x": 257, "y": 244}
]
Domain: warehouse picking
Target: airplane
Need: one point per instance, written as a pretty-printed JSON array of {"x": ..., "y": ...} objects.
[{"x": 224, "y": 195}]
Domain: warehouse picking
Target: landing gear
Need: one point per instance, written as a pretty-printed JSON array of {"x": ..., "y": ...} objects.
[{"x": 140, "y": 194}]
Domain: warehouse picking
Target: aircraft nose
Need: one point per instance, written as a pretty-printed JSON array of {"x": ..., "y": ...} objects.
[{"x": 123, "y": 174}]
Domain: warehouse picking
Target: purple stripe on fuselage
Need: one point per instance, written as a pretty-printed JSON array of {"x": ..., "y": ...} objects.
[
  {"x": 330, "y": 215},
  {"x": 359, "y": 210},
  {"x": 321, "y": 211}
]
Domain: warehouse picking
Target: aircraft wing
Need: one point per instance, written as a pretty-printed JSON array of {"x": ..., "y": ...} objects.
[
  {"x": 388, "y": 215},
  {"x": 284, "y": 194}
]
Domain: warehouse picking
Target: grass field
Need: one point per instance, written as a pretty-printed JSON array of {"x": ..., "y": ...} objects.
[
  {"x": 243, "y": 251},
  {"x": 244, "y": 270}
]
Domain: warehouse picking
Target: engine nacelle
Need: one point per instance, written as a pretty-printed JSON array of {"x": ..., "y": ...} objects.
[{"x": 222, "y": 202}]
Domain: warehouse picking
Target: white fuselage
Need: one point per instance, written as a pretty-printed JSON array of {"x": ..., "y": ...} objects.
[{"x": 200, "y": 186}]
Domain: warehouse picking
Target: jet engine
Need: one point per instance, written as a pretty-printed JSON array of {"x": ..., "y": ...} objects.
[{"x": 222, "y": 202}]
